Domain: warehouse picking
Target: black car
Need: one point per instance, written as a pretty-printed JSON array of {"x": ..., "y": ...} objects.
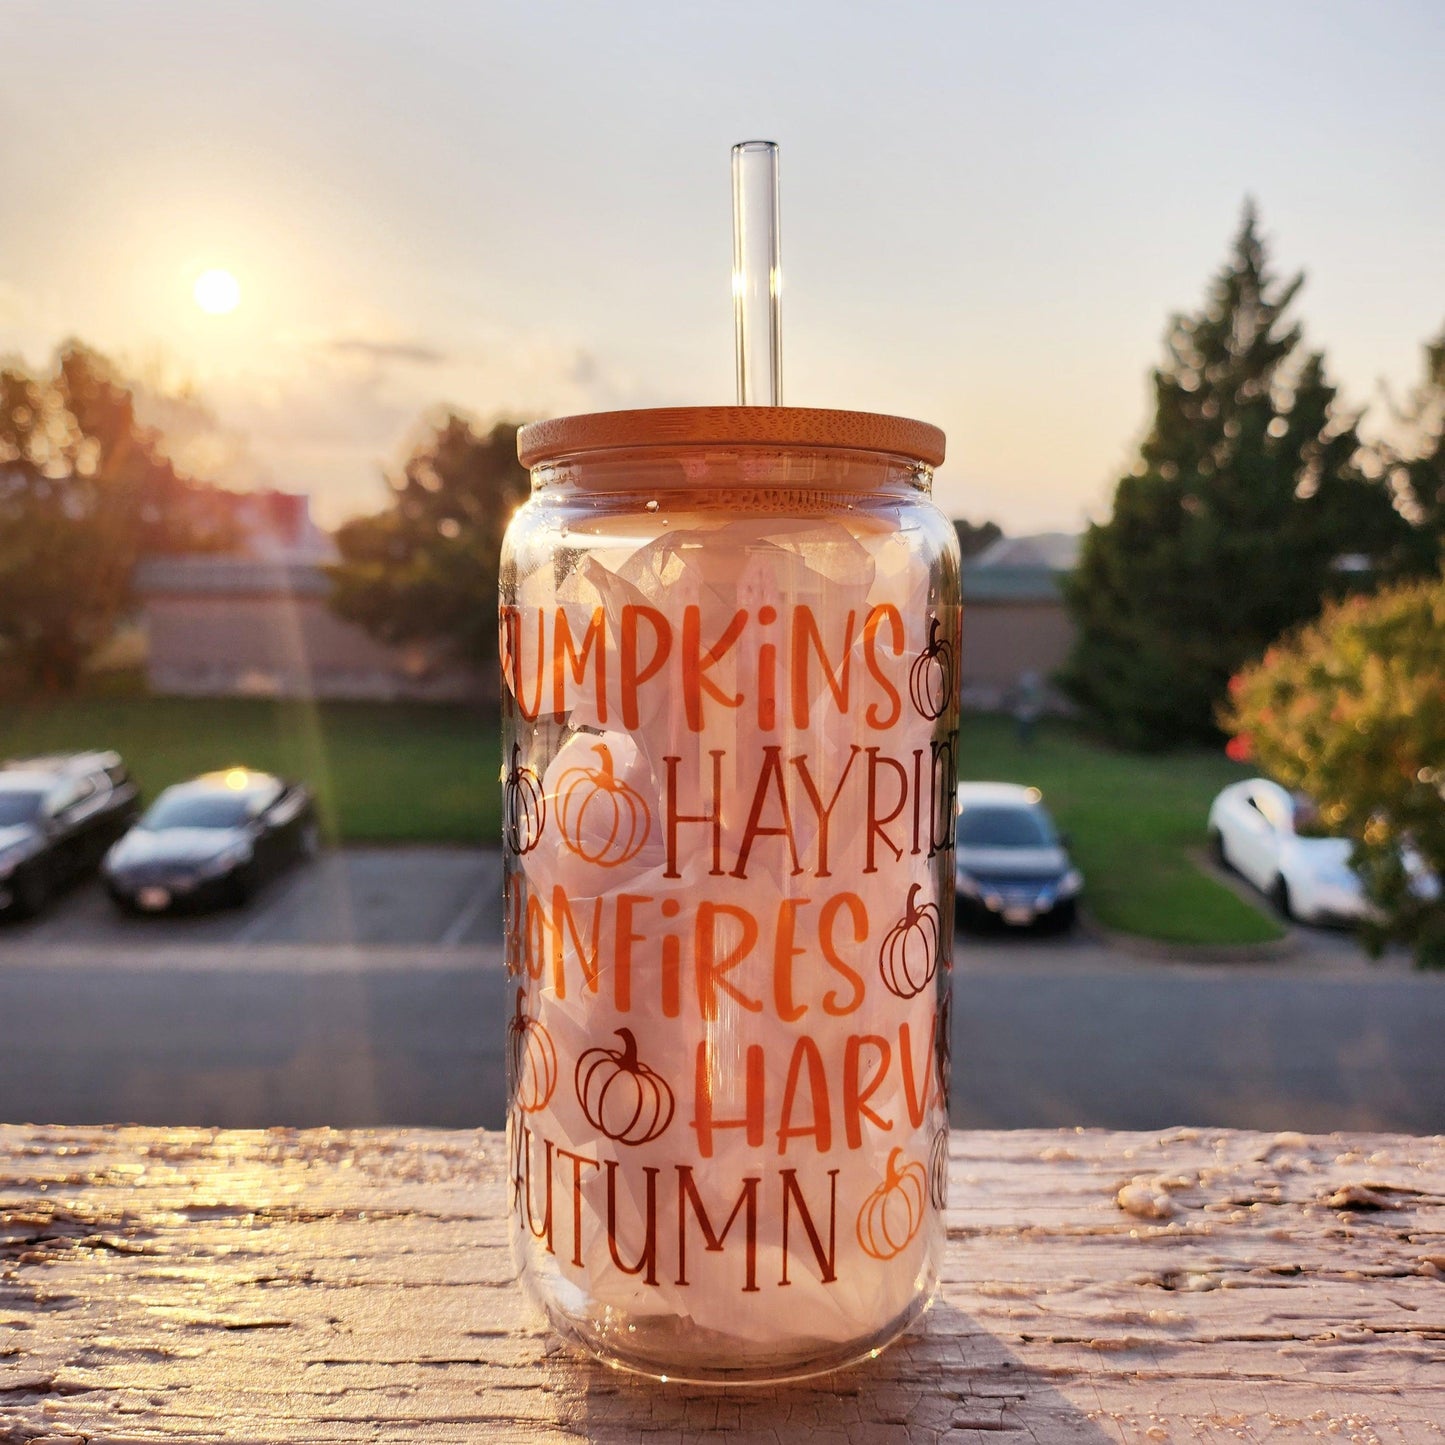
[
  {"x": 58, "y": 815},
  {"x": 211, "y": 841},
  {"x": 1011, "y": 864}
]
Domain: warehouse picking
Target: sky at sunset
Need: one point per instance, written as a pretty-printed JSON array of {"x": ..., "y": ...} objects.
[{"x": 989, "y": 210}]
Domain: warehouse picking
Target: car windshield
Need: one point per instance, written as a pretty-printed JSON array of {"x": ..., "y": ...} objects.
[
  {"x": 18, "y": 807},
  {"x": 1005, "y": 827},
  {"x": 198, "y": 810}
]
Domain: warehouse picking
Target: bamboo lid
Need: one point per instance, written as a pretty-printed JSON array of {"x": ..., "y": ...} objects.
[{"x": 727, "y": 426}]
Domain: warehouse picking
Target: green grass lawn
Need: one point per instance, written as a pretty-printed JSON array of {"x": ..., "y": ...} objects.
[
  {"x": 383, "y": 771},
  {"x": 387, "y": 771},
  {"x": 1133, "y": 821}
]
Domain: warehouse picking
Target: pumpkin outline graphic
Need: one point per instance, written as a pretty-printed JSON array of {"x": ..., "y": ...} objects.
[
  {"x": 524, "y": 805},
  {"x": 938, "y": 1169},
  {"x": 599, "y": 1070},
  {"x": 932, "y": 676},
  {"x": 533, "y": 1059},
  {"x": 897, "y": 955},
  {"x": 622, "y": 833},
  {"x": 943, "y": 1045},
  {"x": 877, "y": 1228}
]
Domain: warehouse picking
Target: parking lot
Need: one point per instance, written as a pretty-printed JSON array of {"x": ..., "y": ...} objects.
[
  {"x": 444, "y": 897},
  {"x": 366, "y": 988}
]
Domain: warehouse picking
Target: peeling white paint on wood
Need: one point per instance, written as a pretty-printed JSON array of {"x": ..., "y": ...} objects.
[{"x": 160, "y": 1285}]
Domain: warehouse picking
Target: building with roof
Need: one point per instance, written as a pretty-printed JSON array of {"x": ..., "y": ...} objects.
[
  {"x": 1052, "y": 551},
  {"x": 258, "y": 621},
  {"x": 228, "y": 626},
  {"x": 1015, "y": 624}
]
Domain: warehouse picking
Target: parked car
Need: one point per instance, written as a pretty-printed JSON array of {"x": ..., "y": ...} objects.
[
  {"x": 58, "y": 815},
  {"x": 1274, "y": 839},
  {"x": 1011, "y": 863},
  {"x": 211, "y": 841}
]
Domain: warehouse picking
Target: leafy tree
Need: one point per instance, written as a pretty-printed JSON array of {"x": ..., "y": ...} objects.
[
  {"x": 85, "y": 490},
  {"x": 1351, "y": 710},
  {"x": 425, "y": 568},
  {"x": 1417, "y": 468},
  {"x": 974, "y": 538},
  {"x": 1245, "y": 509}
]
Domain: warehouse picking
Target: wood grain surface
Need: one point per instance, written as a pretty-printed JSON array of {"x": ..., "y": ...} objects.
[{"x": 329, "y": 1286}]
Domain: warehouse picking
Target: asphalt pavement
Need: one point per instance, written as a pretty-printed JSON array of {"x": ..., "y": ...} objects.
[
  {"x": 1085, "y": 1034},
  {"x": 367, "y": 989},
  {"x": 444, "y": 897}
]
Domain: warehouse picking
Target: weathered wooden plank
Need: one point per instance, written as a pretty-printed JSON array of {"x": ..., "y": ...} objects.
[{"x": 324, "y": 1286}]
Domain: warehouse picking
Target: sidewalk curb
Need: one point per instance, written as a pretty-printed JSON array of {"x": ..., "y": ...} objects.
[{"x": 1290, "y": 946}]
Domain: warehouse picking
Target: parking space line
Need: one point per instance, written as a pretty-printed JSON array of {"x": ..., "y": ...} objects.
[
  {"x": 472, "y": 911},
  {"x": 255, "y": 924}
]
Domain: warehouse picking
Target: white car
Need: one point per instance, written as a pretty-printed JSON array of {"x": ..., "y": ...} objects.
[{"x": 1257, "y": 828}]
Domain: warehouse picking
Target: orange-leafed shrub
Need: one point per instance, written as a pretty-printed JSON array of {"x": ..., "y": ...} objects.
[{"x": 1350, "y": 709}]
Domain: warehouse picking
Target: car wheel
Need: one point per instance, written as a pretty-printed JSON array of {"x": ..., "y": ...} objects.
[
  {"x": 243, "y": 886},
  {"x": 1216, "y": 848},
  {"x": 970, "y": 916},
  {"x": 31, "y": 892},
  {"x": 1063, "y": 917},
  {"x": 1279, "y": 896},
  {"x": 309, "y": 843}
]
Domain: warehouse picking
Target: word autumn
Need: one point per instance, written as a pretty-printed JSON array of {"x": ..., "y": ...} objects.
[
  {"x": 772, "y": 667},
  {"x": 534, "y": 1203},
  {"x": 541, "y": 1171}
]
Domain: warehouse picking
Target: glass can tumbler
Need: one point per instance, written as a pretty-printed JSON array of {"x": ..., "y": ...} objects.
[{"x": 729, "y": 642}]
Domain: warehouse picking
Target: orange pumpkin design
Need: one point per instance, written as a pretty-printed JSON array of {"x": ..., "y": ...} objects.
[
  {"x": 938, "y": 1170},
  {"x": 892, "y": 1214},
  {"x": 532, "y": 1060},
  {"x": 602, "y": 819},
  {"x": 932, "y": 678},
  {"x": 908, "y": 959},
  {"x": 623, "y": 1099},
  {"x": 524, "y": 805}
]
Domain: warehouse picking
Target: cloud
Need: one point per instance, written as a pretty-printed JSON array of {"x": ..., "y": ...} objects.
[
  {"x": 195, "y": 439},
  {"x": 14, "y": 304},
  {"x": 414, "y": 353},
  {"x": 332, "y": 414},
  {"x": 318, "y": 405}
]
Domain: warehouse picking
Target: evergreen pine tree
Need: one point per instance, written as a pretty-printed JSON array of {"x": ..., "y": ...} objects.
[
  {"x": 1246, "y": 508},
  {"x": 1417, "y": 467}
]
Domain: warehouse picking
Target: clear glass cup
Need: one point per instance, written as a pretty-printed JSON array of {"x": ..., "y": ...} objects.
[{"x": 729, "y": 643}]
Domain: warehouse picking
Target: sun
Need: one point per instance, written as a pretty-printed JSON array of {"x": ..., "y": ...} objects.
[{"x": 217, "y": 292}]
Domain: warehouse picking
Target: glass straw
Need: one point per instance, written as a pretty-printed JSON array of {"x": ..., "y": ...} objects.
[{"x": 757, "y": 274}]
